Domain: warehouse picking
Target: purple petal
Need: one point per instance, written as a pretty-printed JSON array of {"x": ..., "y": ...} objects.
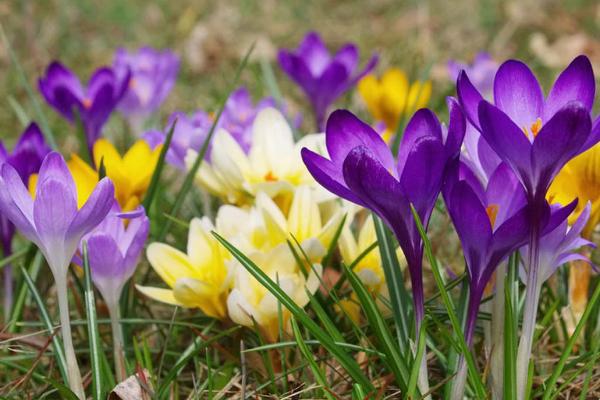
[
  {"x": 371, "y": 64},
  {"x": 456, "y": 128},
  {"x": 345, "y": 132},
  {"x": 505, "y": 191},
  {"x": 16, "y": 203},
  {"x": 94, "y": 210},
  {"x": 469, "y": 98},
  {"x": 348, "y": 57},
  {"x": 558, "y": 216},
  {"x": 54, "y": 167},
  {"x": 575, "y": 83},
  {"x": 423, "y": 123},
  {"x": 54, "y": 208},
  {"x": 314, "y": 53},
  {"x": 593, "y": 138},
  {"x": 518, "y": 93}
]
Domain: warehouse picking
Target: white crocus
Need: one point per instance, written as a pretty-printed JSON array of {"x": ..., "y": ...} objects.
[{"x": 273, "y": 164}]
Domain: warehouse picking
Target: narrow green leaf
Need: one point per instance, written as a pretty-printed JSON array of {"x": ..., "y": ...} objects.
[
  {"x": 19, "y": 111},
  {"x": 416, "y": 368},
  {"x": 189, "y": 179},
  {"x": 344, "y": 359},
  {"x": 318, "y": 374},
  {"x": 510, "y": 342},
  {"x": 148, "y": 199},
  {"x": 64, "y": 391},
  {"x": 14, "y": 256},
  {"x": 557, "y": 371},
  {"x": 32, "y": 97},
  {"x": 92, "y": 326},
  {"x": 472, "y": 369},
  {"x": 324, "y": 318},
  {"x": 389, "y": 347},
  {"x": 333, "y": 244},
  {"x": 22, "y": 294},
  {"x": 101, "y": 169},
  {"x": 56, "y": 345}
]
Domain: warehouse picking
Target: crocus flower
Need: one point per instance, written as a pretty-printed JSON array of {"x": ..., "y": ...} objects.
[
  {"x": 362, "y": 169},
  {"x": 491, "y": 222},
  {"x": 114, "y": 250},
  {"x": 92, "y": 105},
  {"x": 251, "y": 304},
  {"x": 199, "y": 279},
  {"x": 391, "y": 97},
  {"x": 481, "y": 72},
  {"x": 131, "y": 173},
  {"x": 323, "y": 77},
  {"x": 272, "y": 165},
  {"x": 56, "y": 225},
  {"x": 536, "y": 137},
  {"x": 26, "y": 159},
  {"x": 153, "y": 74}
]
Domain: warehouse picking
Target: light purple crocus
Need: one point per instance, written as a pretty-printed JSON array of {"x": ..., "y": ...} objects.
[
  {"x": 481, "y": 72},
  {"x": 114, "y": 250},
  {"x": 53, "y": 222},
  {"x": 26, "y": 158},
  {"x": 362, "y": 169},
  {"x": 93, "y": 104},
  {"x": 237, "y": 118},
  {"x": 536, "y": 136},
  {"x": 153, "y": 74},
  {"x": 323, "y": 77}
]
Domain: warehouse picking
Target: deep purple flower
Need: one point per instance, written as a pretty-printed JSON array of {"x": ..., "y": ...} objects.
[
  {"x": 53, "y": 222},
  {"x": 114, "y": 250},
  {"x": 153, "y": 74},
  {"x": 26, "y": 159},
  {"x": 535, "y": 136},
  {"x": 237, "y": 118},
  {"x": 93, "y": 104},
  {"x": 481, "y": 72},
  {"x": 362, "y": 169},
  {"x": 323, "y": 77}
]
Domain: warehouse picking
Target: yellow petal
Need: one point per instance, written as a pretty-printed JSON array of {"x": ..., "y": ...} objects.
[
  {"x": 159, "y": 294},
  {"x": 370, "y": 91},
  {"x": 169, "y": 263},
  {"x": 85, "y": 178},
  {"x": 103, "y": 149},
  {"x": 304, "y": 219}
]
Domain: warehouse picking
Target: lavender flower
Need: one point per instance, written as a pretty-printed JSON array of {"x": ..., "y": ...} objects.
[
  {"x": 323, "y": 77},
  {"x": 153, "y": 74},
  {"x": 53, "y": 222},
  {"x": 92, "y": 104},
  {"x": 26, "y": 159},
  {"x": 481, "y": 72},
  {"x": 113, "y": 253}
]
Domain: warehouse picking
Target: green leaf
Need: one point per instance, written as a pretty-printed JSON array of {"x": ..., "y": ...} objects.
[
  {"x": 189, "y": 178},
  {"x": 389, "y": 347},
  {"x": 56, "y": 345},
  {"x": 92, "y": 326},
  {"x": 150, "y": 194},
  {"x": 34, "y": 269},
  {"x": 510, "y": 336},
  {"x": 472, "y": 369},
  {"x": 333, "y": 244},
  {"x": 416, "y": 368},
  {"x": 64, "y": 391},
  {"x": 304, "y": 350},
  {"x": 343, "y": 358}
]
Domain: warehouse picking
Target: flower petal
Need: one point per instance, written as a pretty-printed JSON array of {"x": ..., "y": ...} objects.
[
  {"x": 423, "y": 124},
  {"x": 94, "y": 210},
  {"x": 469, "y": 98},
  {"x": 16, "y": 203}
]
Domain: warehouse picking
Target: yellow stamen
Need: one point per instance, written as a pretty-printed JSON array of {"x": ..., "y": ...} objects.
[
  {"x": 534, "y": 129},
  {"x": 492, "y": 213},
  {"x": 270, "y": 177}
]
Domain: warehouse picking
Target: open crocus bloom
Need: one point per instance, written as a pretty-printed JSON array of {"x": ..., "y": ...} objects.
[
  {"x": 535, "y": 136},
  {"x": 391, "y": 97},
  {"x": 53, "y": 220},
  {"x": 94, "y": 103},
  {"x": 153, "y": 74},
  {"x": 323, "y": 77},
  {"x": 362, "y": 169},
  {"x": 273, "y": 164},
  {"x": 250, "y": 303},
  {"x": 198, "y": 279},
  {"x": 131, "y": 174}
]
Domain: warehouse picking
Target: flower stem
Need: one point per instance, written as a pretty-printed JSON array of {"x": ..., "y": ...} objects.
[
  {"x": 532, "y": 296},
  {"x": 75, "y": 383},
  {"x": 115, "y": 316},
  {"x": 497, "y": 337},
  {"x": 8, "y": 281}
]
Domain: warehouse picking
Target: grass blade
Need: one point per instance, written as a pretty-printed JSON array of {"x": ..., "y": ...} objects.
[
  {"x": 319, "y": 377},
  {"x": 414, "y": 372},
  {"x": 345, "y": 360},
  {"x": 472, "y": 369},
  {"x": 92, "y": 326},
  {"x": 158, "y": 170},
  {"x": 56, "y": 345},
  {"x": 189, "y": 178}
]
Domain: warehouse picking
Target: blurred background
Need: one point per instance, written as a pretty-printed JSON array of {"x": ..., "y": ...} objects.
[{"x": 211, "y": 38}]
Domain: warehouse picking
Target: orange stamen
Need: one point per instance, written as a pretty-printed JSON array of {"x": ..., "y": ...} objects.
[
  {"x": 270, "y": 177},
  {"x": 87, "y": 103},
  {"x": 492, "y": 213}
]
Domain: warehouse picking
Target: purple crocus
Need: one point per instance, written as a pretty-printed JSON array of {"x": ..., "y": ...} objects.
[
  {"x": 362, "y": 169},
  {"x": 26, "y": 159},
  {"x": 153, "y": 74},
  {"x": 114, "y": 250},
  {"x": 536, "y": 136},
  {"x": 93, "y": 104},
  {"x": 481, "y": 72},
  {"x": 53, "y": 222},
  {"x": 323, "y": 77}
]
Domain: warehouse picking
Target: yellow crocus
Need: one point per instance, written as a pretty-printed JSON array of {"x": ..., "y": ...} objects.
[
  {"x": 391, "y": 97},
  {"x": 579, "y": 178},
  {"x": 199, "y": 278}
]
